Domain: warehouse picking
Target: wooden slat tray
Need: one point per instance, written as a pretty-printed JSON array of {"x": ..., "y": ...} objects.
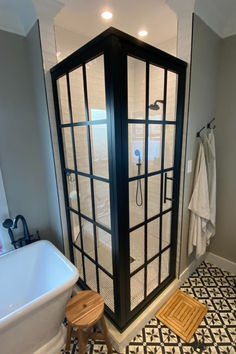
[{"x": 182, "y": 314}]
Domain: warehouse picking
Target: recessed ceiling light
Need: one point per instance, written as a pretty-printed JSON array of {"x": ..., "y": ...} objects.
[
  {"x": 143, "y": 33},
  {"x": 107, "y": 15}
]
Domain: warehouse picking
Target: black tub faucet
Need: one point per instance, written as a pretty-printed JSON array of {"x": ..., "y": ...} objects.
[
  {"x": 22, "y": 241},
  {"x": 25, "y": 226}
]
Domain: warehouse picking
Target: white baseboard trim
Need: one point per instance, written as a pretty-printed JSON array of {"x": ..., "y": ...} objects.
[{"x": 221, "y": 262}]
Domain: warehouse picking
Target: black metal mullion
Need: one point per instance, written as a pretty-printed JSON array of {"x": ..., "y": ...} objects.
[
  {"x": 150, "y": 260},
  {"x": 94, "y": 262},
  {"x": 90, "y": 220},
  {"x": 150, "y": 174},
  {"x": 84, "y": 123},
  {"x": 162, "y": 168},
  {"x": 84, "y": 174},
  {"x": 133, "y": 228},
  {"x": 151, "y": 121},
  {"x": 75, "y": 164},
  {"x": 146, "y": 180},
  {"x": 91, "y": 172}
]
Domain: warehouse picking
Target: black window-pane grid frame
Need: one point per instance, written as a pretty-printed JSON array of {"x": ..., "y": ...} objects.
[
  {"x": 132, "y": 47},
  {"x": 86, "y": 123},
  {"x": 146, "y": 175}
]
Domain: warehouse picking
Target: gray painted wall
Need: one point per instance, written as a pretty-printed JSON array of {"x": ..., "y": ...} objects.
[
  {"x": 34, "y": 54},
  {"x": 26, "y": 158},
  {"x": 20, "y": 155},
  {"x": 202, "y": 101},
  {"x": 224, "y": 243}
]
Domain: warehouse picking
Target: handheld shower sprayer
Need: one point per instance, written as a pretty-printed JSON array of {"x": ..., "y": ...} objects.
[
  {"x": 137, "y": 153},
  {"x": 139, "y": 187}
]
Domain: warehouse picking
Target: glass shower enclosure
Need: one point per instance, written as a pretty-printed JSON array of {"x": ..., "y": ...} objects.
[{"x": 119, "y": 109}]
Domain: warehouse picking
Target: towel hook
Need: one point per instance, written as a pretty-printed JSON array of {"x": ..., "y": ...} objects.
[
  {"x": 209, "y": 124},
  {"x": 198, "y": 135}
]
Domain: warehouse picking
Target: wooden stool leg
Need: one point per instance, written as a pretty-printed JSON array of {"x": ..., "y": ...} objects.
[
  {"x": 105, "y": 333},
  {"x": 82, "y": 342},
  {"x": 68, "y": 337}
]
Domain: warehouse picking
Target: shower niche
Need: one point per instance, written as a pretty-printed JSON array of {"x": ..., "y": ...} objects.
[{"x": 119, "y": 109}]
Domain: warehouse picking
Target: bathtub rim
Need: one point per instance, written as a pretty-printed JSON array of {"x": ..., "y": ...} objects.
[{"x": 44, "y": 298}]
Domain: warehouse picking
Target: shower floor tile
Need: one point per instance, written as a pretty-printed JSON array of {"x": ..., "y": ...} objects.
[{"x": 215, "y": 335}]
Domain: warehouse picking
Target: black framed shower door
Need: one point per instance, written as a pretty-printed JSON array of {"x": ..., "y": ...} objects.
[{"x": 119, "y": 107}]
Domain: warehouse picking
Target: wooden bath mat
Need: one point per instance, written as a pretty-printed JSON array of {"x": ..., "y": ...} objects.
[{"x": 182, "y": 314}]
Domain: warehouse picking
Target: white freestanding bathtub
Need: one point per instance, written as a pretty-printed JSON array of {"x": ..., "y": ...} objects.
[{"x": 35, "y": 283}]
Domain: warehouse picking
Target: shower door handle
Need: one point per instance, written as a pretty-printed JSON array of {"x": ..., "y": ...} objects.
[{"x": 165, "y": 188}]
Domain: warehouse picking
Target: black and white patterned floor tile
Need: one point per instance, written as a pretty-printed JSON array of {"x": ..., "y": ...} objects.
[{"x": 216, "y": 333}]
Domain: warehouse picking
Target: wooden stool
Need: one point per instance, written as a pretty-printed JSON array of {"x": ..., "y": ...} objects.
[{"x": 83, "y": 312}]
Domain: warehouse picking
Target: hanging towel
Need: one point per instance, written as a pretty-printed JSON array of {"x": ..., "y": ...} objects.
[
  {"x": 210, "y": 154},
  {"x": 199, "y": 207}
]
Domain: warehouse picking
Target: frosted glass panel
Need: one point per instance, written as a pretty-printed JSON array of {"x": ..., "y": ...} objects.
[
  {"x": 137, "y": 289},
  {"x": 154, "y": 189},
  {"x": 78, "y": 262},
  {"x": 75, "y": 229},
  {"x": 81, "y": 148},
  {"x": 106, "y": 289},
  {"x": 136, "y": 243},
  {"x": 153, "y": 239},
  {"x": 152, "y": 275},
  {"x": 99, "y": 150},
  {"x": 136, "y": 202},
  {"x": 154, "y": 147},
  {"x": 77, "y": 95},
  {"x": 136, "y": 149},
  {"x": 68, "y": 150},
  {"x": 72, "y": 193},
  {"x": 90, "y": 273},
  {"x": 169, "y": 145},
  {"x": 102, "y": 203},
  {"x": 88, "y": 237},
  {"x": 171, "y": 97},
  {"x": 156, "y": 92},
  {"x": 63, "y": 100},
  {"x": 85, "y": 196},
  {"x": 104, "y": 249},
  {"x": 165, "y": 265},
  {"x": 166, "y": 229},
  {"x": 136, "y": 88},
  {"x": 96, "y": 88}
]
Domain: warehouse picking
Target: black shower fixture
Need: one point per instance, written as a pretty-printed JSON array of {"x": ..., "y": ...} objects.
[{"x": 154, "y": 106}]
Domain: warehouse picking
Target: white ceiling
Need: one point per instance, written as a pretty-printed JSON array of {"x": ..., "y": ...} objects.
[{"x": 84, "y": 17}]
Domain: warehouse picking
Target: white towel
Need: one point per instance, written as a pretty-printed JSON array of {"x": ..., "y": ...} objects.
[
  {"x": 199, "y": 207},
  {"x": 210, "y": 154}
]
